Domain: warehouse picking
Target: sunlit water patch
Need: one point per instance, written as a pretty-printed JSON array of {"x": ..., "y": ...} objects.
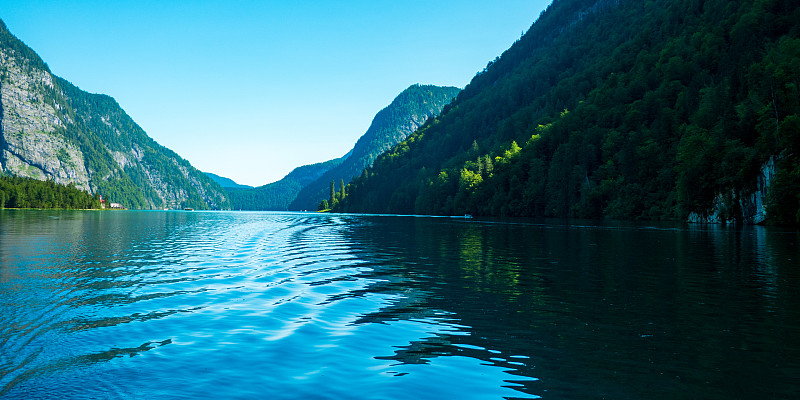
[{"x": 287, "y": 305}]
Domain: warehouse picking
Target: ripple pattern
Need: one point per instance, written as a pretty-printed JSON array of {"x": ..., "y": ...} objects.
[
  {"x": 241, "y": 305},
  {"x": 202, "y": 305}
]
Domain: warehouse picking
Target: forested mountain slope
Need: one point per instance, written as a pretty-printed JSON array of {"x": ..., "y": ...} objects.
[
  {"x": 51, "y": 130},
  {"x": 407, "y": 112},
  {"x": 628, "y": 109}
]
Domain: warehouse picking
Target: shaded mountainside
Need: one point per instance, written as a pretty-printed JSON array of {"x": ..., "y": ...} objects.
[
  {"x": 51, "y": 130},
  {"x": 276, "y": 196},
  {"x": 619, "y": 109},
  {"x": 407, "y": 112}
]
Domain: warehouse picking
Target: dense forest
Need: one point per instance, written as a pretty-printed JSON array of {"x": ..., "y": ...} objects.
[
  {"x": 16, "y": 192},
  {"x": 645, "y": 109}
]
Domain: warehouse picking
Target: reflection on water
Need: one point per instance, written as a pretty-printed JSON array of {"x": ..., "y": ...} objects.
[{"x": 282, "y": 305}]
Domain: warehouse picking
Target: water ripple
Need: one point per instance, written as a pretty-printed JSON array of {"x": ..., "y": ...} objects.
[{"x": 283, "y": 306}]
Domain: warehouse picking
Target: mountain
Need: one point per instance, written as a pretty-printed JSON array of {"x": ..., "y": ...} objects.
[
  {"x": 226, "y": 183},
  {"x": 306, "y": 186},
  {"x": 407, "y": 112},
  {"x": 682, "y": 109},
  {"x": 276, "y": 196},
  {"x": 51, "y": 130}
]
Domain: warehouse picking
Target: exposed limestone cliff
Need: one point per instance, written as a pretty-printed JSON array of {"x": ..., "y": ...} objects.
[
  {"x": 32, "y": 127},
  {"x": 744, "y": 206}
]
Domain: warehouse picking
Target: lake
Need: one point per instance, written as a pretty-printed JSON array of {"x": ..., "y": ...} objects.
[{"x": 248, "y": 305}]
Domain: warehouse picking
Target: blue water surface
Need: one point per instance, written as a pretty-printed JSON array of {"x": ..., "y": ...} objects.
[{"x": 240, "y": 305}]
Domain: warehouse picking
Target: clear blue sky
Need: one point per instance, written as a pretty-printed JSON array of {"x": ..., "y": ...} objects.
[{"x": 252, "y": 89}]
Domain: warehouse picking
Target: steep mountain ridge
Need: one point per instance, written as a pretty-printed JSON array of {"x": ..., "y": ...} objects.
[
  {"x": 404, "y": 115},
  {"x": 51, "y": 130}
]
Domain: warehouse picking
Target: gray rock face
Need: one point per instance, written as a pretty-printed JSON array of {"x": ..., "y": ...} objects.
[
  {"x": 32, "y": 145},
  {"x": 51, "y": 130},
  {"x": 748, "y": 207}
]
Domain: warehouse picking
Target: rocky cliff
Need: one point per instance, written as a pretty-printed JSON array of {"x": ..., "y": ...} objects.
[
  {"x": 51, "y": 130},
  {"x": 746, "y": 206},
  {"x": 31, "y": 144}
]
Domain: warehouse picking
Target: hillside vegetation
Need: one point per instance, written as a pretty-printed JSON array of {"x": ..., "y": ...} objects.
[{"x": 626, "y": 109}]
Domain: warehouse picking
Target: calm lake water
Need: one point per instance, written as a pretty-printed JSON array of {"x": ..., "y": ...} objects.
[{"x": 237, "y": 305}]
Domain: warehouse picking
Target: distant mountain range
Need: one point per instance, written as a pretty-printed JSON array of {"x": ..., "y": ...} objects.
[
  {"x": 226, "y": 183},
  {"x": 306, "y": 186},
  {"x": 278, "y": 195},
  {"x": 51, "y": 130},
  {"x": 624, "y": 109}
]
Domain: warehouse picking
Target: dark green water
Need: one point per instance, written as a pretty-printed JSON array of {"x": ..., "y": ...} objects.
[{"x": 165, "y": 305}]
